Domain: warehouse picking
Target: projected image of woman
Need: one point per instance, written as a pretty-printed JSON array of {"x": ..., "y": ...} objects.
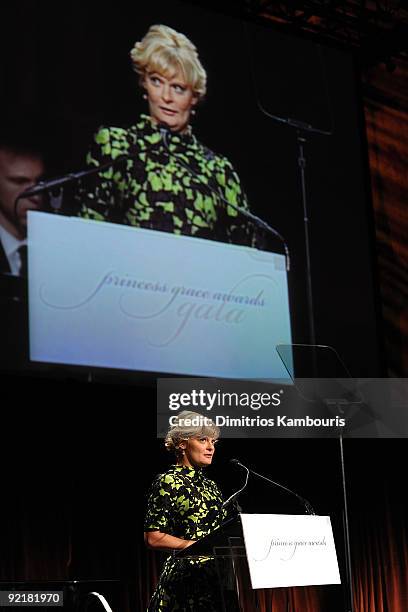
[
  {"x": 170, "y": 181},
  {"x": 183, "y": 506}
]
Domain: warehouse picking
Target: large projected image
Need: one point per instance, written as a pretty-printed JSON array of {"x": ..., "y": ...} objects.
[{"x": 169, "y": 131}]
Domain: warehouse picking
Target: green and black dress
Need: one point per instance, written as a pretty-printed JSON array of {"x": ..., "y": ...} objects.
[
  {"x": 170, "y": 183},
  {"x": 184, "y": 503}
]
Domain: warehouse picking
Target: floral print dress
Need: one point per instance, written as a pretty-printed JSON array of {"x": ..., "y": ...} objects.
[{"x": 184, "y": 503}]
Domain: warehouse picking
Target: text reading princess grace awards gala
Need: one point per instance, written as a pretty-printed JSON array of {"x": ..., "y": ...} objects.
[{"x": 307, "y": 408}]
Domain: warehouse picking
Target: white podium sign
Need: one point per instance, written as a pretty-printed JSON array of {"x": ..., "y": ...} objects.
[
  {"x": 109, "y": 295},
  {"x": 290, "y": 550}
]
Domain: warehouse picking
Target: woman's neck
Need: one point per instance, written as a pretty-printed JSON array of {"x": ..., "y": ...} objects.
[{"x": 156, "y": 124}]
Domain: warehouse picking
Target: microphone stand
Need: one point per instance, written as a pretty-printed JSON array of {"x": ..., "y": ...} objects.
[
  {"x": 234, "y": 497},
  {"x": 57, "y": 184},
  {"x": 349, "y": 575},
  {"x": 254, "y": 219},
  {"x": 340, "y": 409},
  {"x": 302, "y": 130},
  {"x": 308, "y": 506}
]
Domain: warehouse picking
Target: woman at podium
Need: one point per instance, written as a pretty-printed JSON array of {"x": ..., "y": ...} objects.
[
  {"x": 184, "y": 506},
  {"x": 168, "y": 180}
]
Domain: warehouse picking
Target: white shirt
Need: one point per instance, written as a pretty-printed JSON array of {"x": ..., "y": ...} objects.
[{"x": 11, "y": 246}]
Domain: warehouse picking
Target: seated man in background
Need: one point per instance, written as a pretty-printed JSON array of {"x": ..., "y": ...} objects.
[{"x": 21, "y": 166}]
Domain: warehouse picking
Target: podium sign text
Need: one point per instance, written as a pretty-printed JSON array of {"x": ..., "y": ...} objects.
[
  {"x": 289, "y": 550},
  {"x": 114, "y": 296}
]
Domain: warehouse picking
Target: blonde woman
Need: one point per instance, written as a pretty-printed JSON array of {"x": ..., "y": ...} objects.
[
  {"x": 184, "y": 506},
  {"x": 170, "y": 181}
]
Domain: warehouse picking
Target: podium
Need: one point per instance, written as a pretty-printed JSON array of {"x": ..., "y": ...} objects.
[
  {"x": 227, "y": 546},
  {"x": 104, "y": 295},
  {"x": 258, "y": 551}
]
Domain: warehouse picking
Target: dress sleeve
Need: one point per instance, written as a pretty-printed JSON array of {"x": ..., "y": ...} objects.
[
  {"x": 100, "y": 197},
  {"x": 161, "y": 504},
  {"x": 232, "y": 188},
  {"x": 238, "y": 228}
]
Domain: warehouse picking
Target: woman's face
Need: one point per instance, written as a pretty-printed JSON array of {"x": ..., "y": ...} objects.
[
  {"x": 198, "y": 451},
  {"x": 170, "y": 100}
]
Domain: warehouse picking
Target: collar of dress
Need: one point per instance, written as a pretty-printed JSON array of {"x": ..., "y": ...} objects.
[
  {"x": 189, "y": 471},
  {"x": 151, "y": 132}
]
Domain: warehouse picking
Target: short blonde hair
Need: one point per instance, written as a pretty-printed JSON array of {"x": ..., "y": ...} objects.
[
  {"x": 163, "y": 50},
  {"x": 189, "y": 425}
]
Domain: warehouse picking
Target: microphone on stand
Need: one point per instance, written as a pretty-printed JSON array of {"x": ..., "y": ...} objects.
[
  {"x": 307, "y": 505},
  {"x": 165, "y": 131},
  {"x": 233, "y": 497},
  {"x": 60, "y": 181},
  {"x": 57, "y": 184}
]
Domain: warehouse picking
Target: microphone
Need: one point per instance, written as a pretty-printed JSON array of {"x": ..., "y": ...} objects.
[
  {"x": 42, "y": 186},
  {"x": 60, "y": 181},
  {"x": 164, "y": 132},
  {"x": 303, "y": 501},
  {"x": 234, "y": 496}
]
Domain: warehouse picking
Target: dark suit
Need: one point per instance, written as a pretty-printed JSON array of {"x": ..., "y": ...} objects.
[
  {"x": 13, "y": 317},
  {"x": 4, "y": 264}
]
